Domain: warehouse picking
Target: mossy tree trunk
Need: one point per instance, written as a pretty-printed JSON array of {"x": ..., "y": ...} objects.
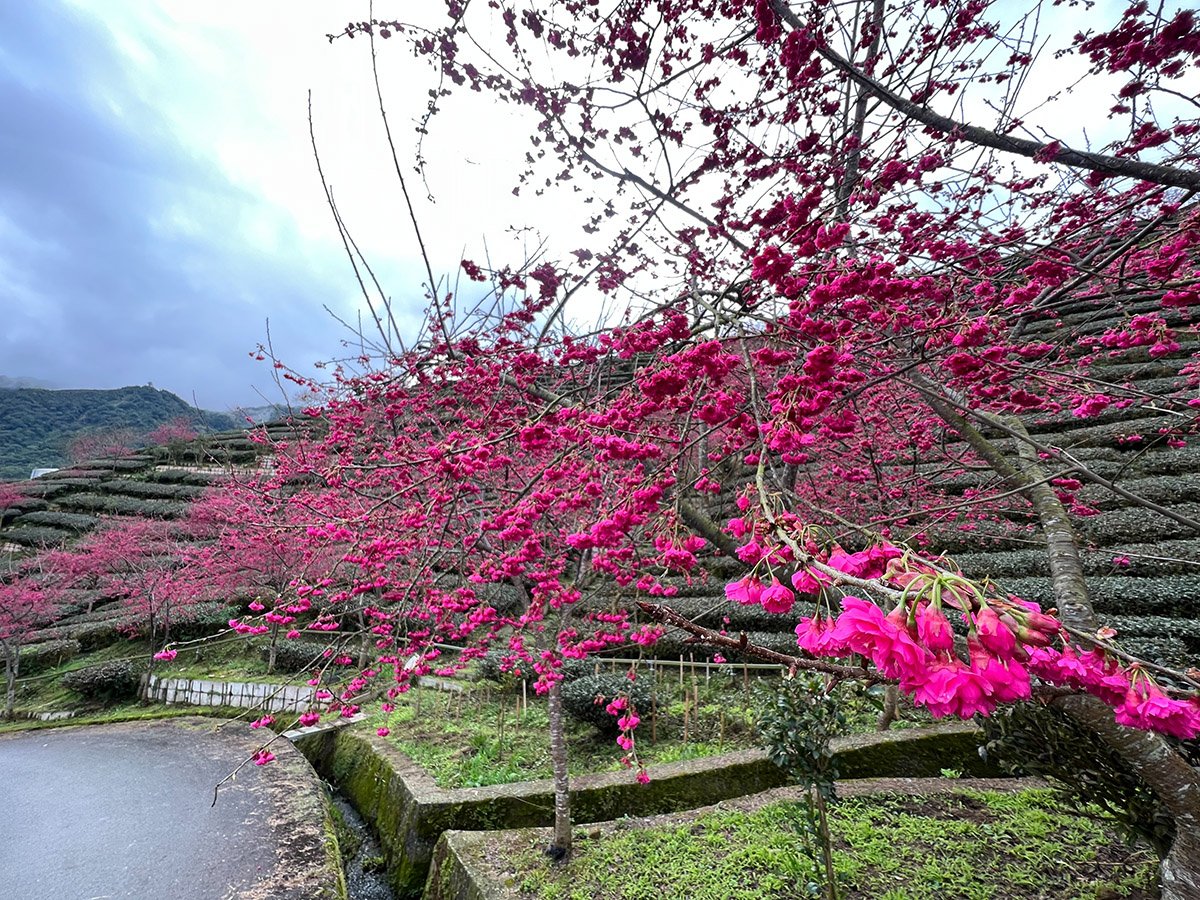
[
  {"x": 12, "y": 666},
  {"x": 1175, "y": 782}
]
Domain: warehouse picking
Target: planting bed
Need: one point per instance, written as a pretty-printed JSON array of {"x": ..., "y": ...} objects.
[{"x": 905, "y": 839}]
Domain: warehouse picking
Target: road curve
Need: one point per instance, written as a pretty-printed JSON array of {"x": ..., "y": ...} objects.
[{"x": 125, "y": 811}]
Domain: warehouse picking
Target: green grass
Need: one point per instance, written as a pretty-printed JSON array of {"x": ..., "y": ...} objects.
[
  {"x": 475, "y": 739},
  {"x": 973, "y": 845}
]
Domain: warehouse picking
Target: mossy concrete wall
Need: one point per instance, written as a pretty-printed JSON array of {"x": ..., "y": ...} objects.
[{"x": 410, "y": 812}]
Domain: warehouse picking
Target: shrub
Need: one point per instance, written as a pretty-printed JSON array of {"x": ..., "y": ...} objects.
[
  {"x": 489, "y": 666},
  {"x": 149, "y": 490},
  {"x": 48, "y": 655},
  {"x": 295, "y": 656},
  {"x": 123, "y": 505},
  {"x": 1031, "y": 739},
  {"x": 203, "y": 620},
  {"x": 107, "y": 682},
  {"x": 37, "y": 536},
  {"x": 584, "y": 698},
  {"x": 95, "y": 635},
  {"x": 63, "y": 520}
]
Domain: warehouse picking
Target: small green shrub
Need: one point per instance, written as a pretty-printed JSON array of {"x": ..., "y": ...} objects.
[
  {"x": 107, "y": 682},
  {"x": 585, "y": 698},
  {"x": 203, "y": 620},
  {"x": 94, "y": 635},
  {"x": 48, "y": 655},
  {"x": 292, "y": 657}
]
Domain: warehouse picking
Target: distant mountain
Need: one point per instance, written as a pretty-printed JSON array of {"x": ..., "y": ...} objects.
[
  {"x": 37, "y": 425},
  {"x": 11, "y": 384}
]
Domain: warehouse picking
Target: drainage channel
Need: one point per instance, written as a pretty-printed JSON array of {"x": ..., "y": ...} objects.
[{"x": 365, "y": 875}]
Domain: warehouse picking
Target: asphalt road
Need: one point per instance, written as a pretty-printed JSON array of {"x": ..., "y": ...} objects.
[{"x": 125, "y": 811}]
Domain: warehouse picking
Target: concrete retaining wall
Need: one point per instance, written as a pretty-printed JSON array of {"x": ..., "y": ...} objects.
[{"x": 410, "y": 812}]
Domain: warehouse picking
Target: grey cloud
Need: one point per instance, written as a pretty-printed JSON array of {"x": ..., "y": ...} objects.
[{"x": 94, "y": 290}]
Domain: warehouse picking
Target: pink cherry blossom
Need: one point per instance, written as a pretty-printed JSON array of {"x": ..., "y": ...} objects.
[{"x": 777, "y": 598}]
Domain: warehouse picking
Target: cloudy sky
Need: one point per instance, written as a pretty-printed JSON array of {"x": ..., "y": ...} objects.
[{"x": 159, "y": 202}]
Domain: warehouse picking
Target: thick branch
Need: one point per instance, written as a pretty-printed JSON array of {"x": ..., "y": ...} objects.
[
  {"x": 1062, "y": 547},
  {"x": 712, "y": 638},
  {"x": 1079, "y": 159},
  {"x": 952, "y": 408}
]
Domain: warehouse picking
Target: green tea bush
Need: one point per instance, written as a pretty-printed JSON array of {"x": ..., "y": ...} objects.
[
  {"x": 292, "y": 657},
  {"x": 107, "y": 682},
  {"x": 36, "y": 536},
  {"x": 584, "y": 698},
  {"x": 41, "y": 657},
  {"x": 489, "y": 666},
  {"x": 152, "y": 490},
  {"x": 64, "y": 520}
]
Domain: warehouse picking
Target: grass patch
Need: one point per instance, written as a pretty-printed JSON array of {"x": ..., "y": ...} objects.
[
  {"x": 486, "y": 735},
  {"x": 971, "y": 845}
]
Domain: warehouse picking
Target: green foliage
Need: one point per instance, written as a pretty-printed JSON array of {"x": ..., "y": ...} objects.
[
  {"x": 77, "y": 522},
  {"x": 36, "y": 536},
  {"x": 584, "y": 699},
  {"x": 1031, "y": 739},
  {"x": 296, "y": 656},
  {"x": 119, "y": 504},
  {"x": 349, "y": 839},
  {"x": 149, "y": 490},
  {"x": 106, "y": 683},
  {"x": 47, "y": 655},
  {"x": 204, "y": 619},
  {"x": 798, "y": 717},
  {"x": 36, "y": 424},
  {"x": 491, "y": 667}
]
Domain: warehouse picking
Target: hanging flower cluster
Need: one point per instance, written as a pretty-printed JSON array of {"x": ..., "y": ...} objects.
[{"x": 1008, "y": 641}]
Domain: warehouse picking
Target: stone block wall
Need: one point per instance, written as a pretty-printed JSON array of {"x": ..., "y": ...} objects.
[{"x": 243, "y": 695}]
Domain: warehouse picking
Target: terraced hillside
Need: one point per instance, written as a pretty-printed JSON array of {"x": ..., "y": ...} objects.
[
  {"x": 1142, "y": 566},
  {"x": 55, "y": 509}
]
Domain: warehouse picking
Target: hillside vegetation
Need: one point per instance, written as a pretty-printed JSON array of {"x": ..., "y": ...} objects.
[{"x": 37, "y": 425}]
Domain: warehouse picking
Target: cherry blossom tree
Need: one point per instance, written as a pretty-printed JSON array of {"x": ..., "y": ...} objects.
[
  {"x": 145, "y": 564},
  {"x": 102, "y": 443},
  {"x": 173, "y": 435},
  {"x": 27, "y": 602},
  {"x": 258, "y": 550},
  {"x": 832, "y": 275}
]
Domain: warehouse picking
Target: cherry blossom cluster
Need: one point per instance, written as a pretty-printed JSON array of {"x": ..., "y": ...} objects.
[{"x": 1008, "y": 641}]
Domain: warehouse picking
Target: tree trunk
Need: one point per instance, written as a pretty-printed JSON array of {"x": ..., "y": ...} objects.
[
  {"x": 891, "y": 708},
  {"x": 560, "y": 848},
  {"x": 12, "y": 665},
  {"x": 1164, "y": 771}
]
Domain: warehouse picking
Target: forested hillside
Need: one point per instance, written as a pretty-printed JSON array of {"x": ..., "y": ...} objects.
[{"x": 37, "y": 425}]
